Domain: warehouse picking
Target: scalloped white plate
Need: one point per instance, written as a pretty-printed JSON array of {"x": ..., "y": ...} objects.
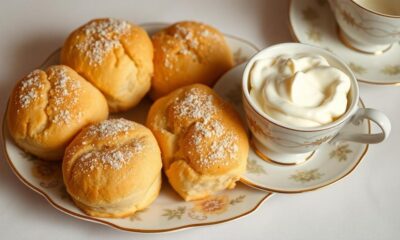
[{"x": 169, "y": 212}]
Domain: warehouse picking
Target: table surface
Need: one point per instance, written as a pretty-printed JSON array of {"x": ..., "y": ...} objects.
[{"x": 364, "y": 205}]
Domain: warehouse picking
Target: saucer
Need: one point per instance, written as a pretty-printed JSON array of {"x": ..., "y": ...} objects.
[
  {"x": 312, "y": 22},
  {"x": 327, "y": 165},
  {"x": 168, "y": 212}
]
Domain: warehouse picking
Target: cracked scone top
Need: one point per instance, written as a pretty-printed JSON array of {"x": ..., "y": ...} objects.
[
  {"x": 113, "y": 168},
  {"x": 203, "y": 142},
  {"x": 116, "y": 56},
  {"x": 48, "y": 107},
  {"x": 186, "y": 53}
]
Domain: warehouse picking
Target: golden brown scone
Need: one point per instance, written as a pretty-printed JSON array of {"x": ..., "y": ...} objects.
[
  {"x": 203, "y": 143},
  {"x": 113, "y": 168},
  {"x": 187, "y": 53},
  {"x": 47, "y": 108},
  {"x": 115, "y": 56}
]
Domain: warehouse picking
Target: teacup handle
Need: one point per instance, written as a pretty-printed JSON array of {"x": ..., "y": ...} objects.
[{"x": 375, "y": 116}]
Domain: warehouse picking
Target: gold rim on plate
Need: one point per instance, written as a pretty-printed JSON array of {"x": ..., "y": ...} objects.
[
  {"x": 101, "y": 221},
  {"x": 89, "y": 218},
  {"x": 295, "y": 38}
]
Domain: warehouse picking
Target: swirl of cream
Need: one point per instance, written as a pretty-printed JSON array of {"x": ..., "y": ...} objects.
[{"x": 302, "y": 90}]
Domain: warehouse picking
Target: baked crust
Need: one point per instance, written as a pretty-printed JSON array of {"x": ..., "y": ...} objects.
[
  {"x": 48, "y": 107},
  {"x": 202, "y": 139},
  {"x": 113, "y": 168},
  {"x": 186, "y": 53},
  {"x": 115, "y": 56}
]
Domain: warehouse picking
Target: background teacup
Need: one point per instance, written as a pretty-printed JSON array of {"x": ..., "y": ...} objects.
[
  {"x": 370, "y": 26},
  {"x": 284, "y": 144}
]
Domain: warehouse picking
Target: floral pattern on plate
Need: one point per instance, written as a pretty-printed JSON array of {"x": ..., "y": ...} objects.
[{"x": 169, "y": 212}]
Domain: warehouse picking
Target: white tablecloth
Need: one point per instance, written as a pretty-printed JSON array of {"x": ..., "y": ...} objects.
[{"x": 364, "y": 205}]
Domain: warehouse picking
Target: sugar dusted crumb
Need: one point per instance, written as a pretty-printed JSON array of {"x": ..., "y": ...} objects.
[
  {"x": 167, "y": 63},
  {"x": 217, "y": 127},
  {"x": 185, "y": 34},
  {"x": 205, "y": 33},
  {"x": 29, "y": 88},
  {"x": 64, "y": 95},
  {"x": 221, "y": 144},
  {"x": 111, "y": 128},
  {"x": 196, "y": 105},
  {"x": 62, "y": 116},
  {"x": 114, "y": 158},
  {"x": 101, "y": 38},
  {"x": 28, "y": 98},
  {"x": 219, "y": 151}
]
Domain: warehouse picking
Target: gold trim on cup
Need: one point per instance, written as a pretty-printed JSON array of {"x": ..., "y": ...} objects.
[
  {"x": 347, "y": 43},
  {"x": 268, "y": 159},
  {"x": 315, "y": 188},
  {"x": 375, "y": 12},
  {"x": 295, "y": 38}
]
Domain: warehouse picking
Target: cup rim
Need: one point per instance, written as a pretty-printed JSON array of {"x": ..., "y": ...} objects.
[
  {"x": 375, "y": 12},
  {"x": 340, "y": 120}
]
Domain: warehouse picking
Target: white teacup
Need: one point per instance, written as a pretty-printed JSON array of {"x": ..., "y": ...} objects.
[
  {"x": 284, "y": 144},
  {"x": 370, "y": 26}
]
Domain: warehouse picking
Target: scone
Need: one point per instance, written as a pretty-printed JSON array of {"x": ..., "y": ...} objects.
[
  {"x": 203, "y": 142},
  {"x": 113, "y": 168},
  {"x": 48, "y": 107},
  {"x": 187, "y": 53},
  {"x": 115, "y": 56}
]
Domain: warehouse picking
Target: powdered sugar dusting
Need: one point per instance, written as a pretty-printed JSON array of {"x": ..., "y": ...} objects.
[
  {"x": 64, "y": 95},
  {"x": 113, "y": 154},
  {"x": 223, "y": 145},
  {"x": 214, "y": 144},
  {"x": 29, "y": 89},
  {"x": 220, "y": 150},
  {"x": 185, "y": 34},
  {"x": 167, "y": 63},
  {"x": 114, "y": 158},
  {"x": 214, "y": 128},
  {"x": 190, "y": 43},
  {"x": 205, "y": 33},
  {"x": 209, "y": 34},
  {"x": 111, "y": 128},
  {"x": 192, "y": 39},
  {"x": 195, "y": 104},
  {"x": 101, "y": 37}
]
